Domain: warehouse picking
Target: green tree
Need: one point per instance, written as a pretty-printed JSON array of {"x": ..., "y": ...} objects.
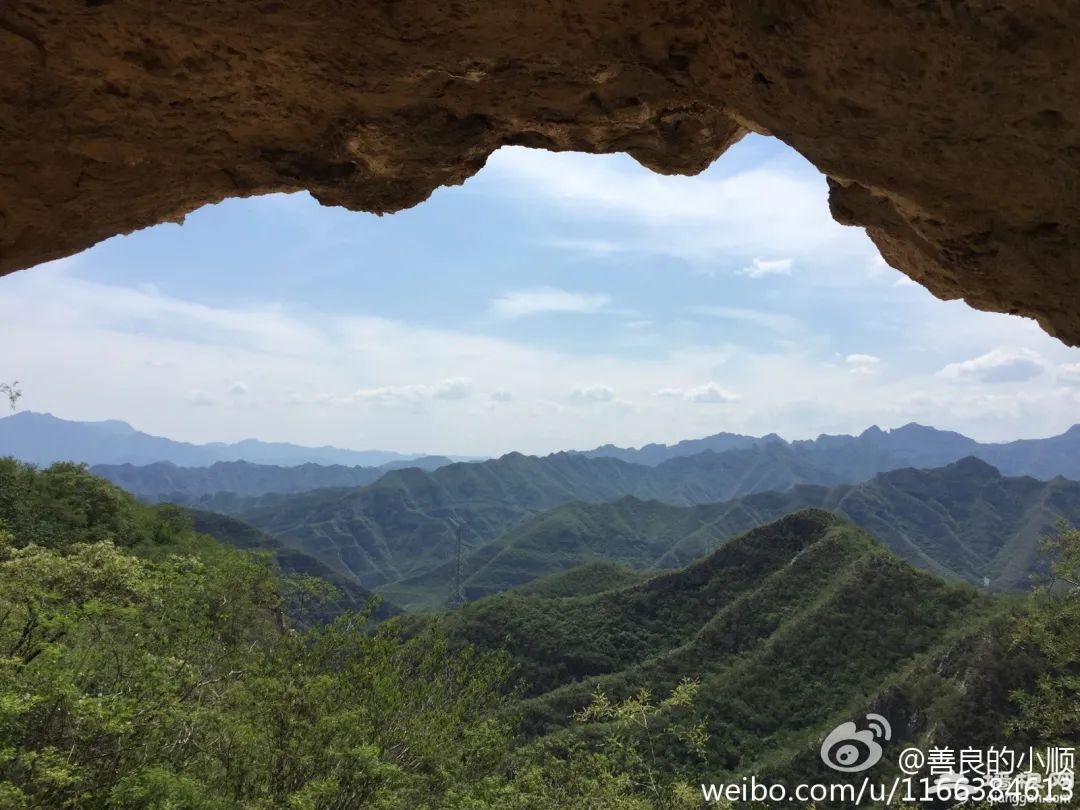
[
  {"x": 144, "y": 665},
  {"x": 1050, "y": 709}
]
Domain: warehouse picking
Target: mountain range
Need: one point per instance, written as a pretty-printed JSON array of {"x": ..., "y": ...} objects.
[
  {"x": 524, "y": 517},
  {"x": 40, "y": 438},
  {"x": 964, "y": 521},
  {"x": 395, "y": 529},
  {"x": 875, "y": 450},
  {"x": 165, "y": 481}
]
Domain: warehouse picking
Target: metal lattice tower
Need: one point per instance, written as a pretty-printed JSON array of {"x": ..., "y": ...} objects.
[{"x": 457, "y": 597}]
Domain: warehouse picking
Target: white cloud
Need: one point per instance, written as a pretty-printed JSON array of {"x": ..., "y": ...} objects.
[
  {"x": 862, "y": 360},
  {"x": 502, "y": 395},
  {"x": 1069, "y": 374},
  {"x": 864, "y": 364},
  {"x": 708, "y": 393},
  {"x": 759, "y": 268},
  {"x": 522, "y": 303},
  {"x": 449, "y": 389},
  {"x": 593, "y": 393},
  {"x": 997, "y": 366},
  {"x": 778, "y": 207},
  {"x": 59, "y": 328},
  {"x": 238, "y": 388}
]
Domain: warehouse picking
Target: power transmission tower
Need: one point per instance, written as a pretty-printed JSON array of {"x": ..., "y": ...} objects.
[{"x": 457, "y": 597}]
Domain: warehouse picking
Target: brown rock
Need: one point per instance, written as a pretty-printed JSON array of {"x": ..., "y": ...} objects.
[{"x": 949, "y": 129}]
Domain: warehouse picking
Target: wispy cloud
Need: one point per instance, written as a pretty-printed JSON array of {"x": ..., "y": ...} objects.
[
  {"x": 759, "y": 268},
  {"x": 593, "y": 393},
  {"x": 759, "y": 318},
  {"x": 544, "y": 300},
  {"x": 709, "y": 393},
  {"x": 997, "y": 366},
  {"x": 864, "y": 364},
  {"x": 449, "y": 389},
  {"x": 323, "y": 369},
  {"x": 767, "y": 209}
]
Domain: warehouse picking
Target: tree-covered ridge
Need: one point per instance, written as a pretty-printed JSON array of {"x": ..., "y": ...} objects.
[
  {"x": 164, "y": 481},
  {"x": 788, "y": 631},
  {"x": 964, "y": 520},
  {"x": 794, "y": 560},
  {"x": 343, "y": 596}
]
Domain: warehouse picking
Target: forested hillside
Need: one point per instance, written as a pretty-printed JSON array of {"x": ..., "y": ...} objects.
[
  {"x": 145, "y": 664},
  {"x": 965, "y": 521},
  {"x": 164, "y": 481},
  {"x": 401, "y": 525},
  {"x": 784, "y": 632}
]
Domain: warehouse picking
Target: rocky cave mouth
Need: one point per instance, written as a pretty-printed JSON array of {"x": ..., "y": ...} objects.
[{"x": 947, "y": 131}]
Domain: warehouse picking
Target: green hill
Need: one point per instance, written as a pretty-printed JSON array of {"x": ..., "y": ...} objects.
[
  {"x": 628, "y": 532},
  {"x": 348, "y": 595},
  {"x": 964, "y": 521},
  {"x": 401, "y": 525},
  {"x": 65, "y": 504},
  {"x": 592, "y": 577},
  {"x": 789, "y": 630},
  {"x": 164, "y": 481}
]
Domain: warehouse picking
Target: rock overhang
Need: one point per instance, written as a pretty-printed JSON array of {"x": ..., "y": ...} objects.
[{"x": 949, "y": 130}]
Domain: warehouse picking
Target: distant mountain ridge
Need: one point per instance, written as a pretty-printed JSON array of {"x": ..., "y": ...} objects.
[
  {"x": 876, "y": 450},
  {"x": 964, "y": 521},
  {"x": 40, "y": 438},
  {"x": 164, "y": 481}
]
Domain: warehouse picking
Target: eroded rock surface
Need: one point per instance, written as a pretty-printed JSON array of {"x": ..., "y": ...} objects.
[{"x": 949, "y": 129}]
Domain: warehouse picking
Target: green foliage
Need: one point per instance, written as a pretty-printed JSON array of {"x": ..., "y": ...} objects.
[
  {"x": 621, "y": 767},
  {"x": 143, "y": 665},
  {"x": 632, "y": 741},
  {"x": 584, "y": 580},
  {"x": 315, "y": 592},
  {"x": 1050, "y": 708}
]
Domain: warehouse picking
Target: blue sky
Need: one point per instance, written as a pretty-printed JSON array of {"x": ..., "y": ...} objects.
[{"x": 554, "y": 301}]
